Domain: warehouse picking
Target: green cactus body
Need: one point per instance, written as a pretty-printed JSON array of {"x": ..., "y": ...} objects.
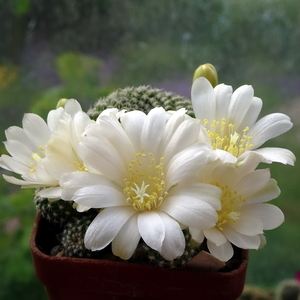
[
  {"x": 58, "y": 212},
  {"x": 155, "y": 258},
  {"x": 73, "y": 237},
  {"x": 142, "y": 98}
]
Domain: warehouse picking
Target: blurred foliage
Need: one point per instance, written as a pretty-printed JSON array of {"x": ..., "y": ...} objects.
[
  {"x": 76, "y": 69},
  {"x": 17, "y": 214},
  {"x": 84, "y": 48},
  {"x": 79, "y": 76},
  {"x": 17, "y": 94},
  {"x": 8, "y": 75},
  {"x": 227, "y": 33},
  {"x": 147, "y": 63},
  {"x": 20, "y": 7}
]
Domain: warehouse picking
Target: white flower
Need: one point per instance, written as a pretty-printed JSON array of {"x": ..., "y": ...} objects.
[
  {"x": 61, "y": 151},
  {"x": 144, "y": 167},
  {"x": 244, "y": 215},
  {"x": 230, "y": 122},
  {"x": 28, "y": 146}
]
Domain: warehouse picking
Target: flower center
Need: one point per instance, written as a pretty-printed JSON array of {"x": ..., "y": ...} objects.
[
  {"x": 231, "y": 203},
  {"x": 145, "y": 187},
  {"x": 224, "y": 137}
]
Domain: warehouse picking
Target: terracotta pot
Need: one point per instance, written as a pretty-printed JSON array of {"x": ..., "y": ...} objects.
[{"x": 91, "y": 279}]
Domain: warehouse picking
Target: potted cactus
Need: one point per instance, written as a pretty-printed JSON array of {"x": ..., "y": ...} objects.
[{"x": 149, "y": 195}]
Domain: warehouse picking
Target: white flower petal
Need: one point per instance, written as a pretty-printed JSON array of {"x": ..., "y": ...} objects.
[
  {"x": 174, "y": 243},
  {"x": 133, "y": 122},
  {"x": 9, "y": 163},
  {"x": 263, "y": 241},
  {"x": 223, "y": 95},
  {"x": 79, "y": 123},
  {"x": 99, "y": 196},
  {"x": 81, "y": 208},
  {"x": 50, "y": 193},
  {"x": 248, "y": 163},
  {"x": 36, "y": 129},
  {"x": 186, "y": 163},
  {"x": 153, "y": 130},
  {"x": 268, "y": 192},
  {"x": 197, "y": 235},
  {"x": 152, "y": 229},
  {"x": 223, "y": 252},
  {"x": 185, "y": 134},
  {"x": 19, "y": 152},
  {"x": 17, "y": 181},
  {"x": 189, "y": 211},
  {"x": 253, "y": 182},
  {"x": 270, "y": 215},
  {"x": 101, "y": 155},
  {"x": 76, "y": 180},
  {"x": 112, "y": 129},
  {"x": 240, "y": 240},
  {"x": 16, "y": 133},
  {"x": 111, "y": 112},
  {"x": 203, "y": 136},
  {"x": 30, "y": 180},
  {"x": 42, "y": 175},
  {"x": 54, "y": 117},
  {"x": 280, "y": 155},
  {"x": 225, "y": 156},
  {"x": 251, "y": 115},
  {"x": 91, "y": 190},
  {"x": 126, "y": 241},
  {"x": 72, "y": 107},
  {"x": 175, "y": 121},
  {"x": 206, "y": 192},
  {"x": 223, "y": 173},
  {"x": 239, "y": 104},
  {"x": 247, "y": 225},
  {"x": 60, "y": 158},
  {"x": 215, "y": 236},
  {"x": 203, "y": 99},
  {"x": 106, "y": 226},
  {"x": 269, "y": 127}
]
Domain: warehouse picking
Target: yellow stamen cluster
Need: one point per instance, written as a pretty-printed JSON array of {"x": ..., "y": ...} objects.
[
  {"x": 145, "y": 188},
  {"x": 79, "y": 167},
  {"x": 224, "y": 137},
  {"x": 36, "y": 158},
  {"x": 231, "y": 203}
]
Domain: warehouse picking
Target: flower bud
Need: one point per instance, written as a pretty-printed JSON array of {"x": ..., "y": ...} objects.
[
  {"x": 209, "y": 72},
  {"x": 62, "y": 102}
]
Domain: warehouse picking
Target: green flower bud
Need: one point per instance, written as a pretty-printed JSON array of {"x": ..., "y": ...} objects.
[
  {"x": 209, "y": 72},
  {"x": 62, "y": 102}
]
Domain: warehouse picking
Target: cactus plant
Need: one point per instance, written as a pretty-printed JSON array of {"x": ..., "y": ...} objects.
[
  {"x": 155, "y": 258},
  {"x": 58, "y": 212},
  {"x": 72, "y": 238},
  {"x": 143, "y": 98}
]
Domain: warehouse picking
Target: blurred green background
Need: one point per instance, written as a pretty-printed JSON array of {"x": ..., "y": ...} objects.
[{"x": 84, "y": 49}]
